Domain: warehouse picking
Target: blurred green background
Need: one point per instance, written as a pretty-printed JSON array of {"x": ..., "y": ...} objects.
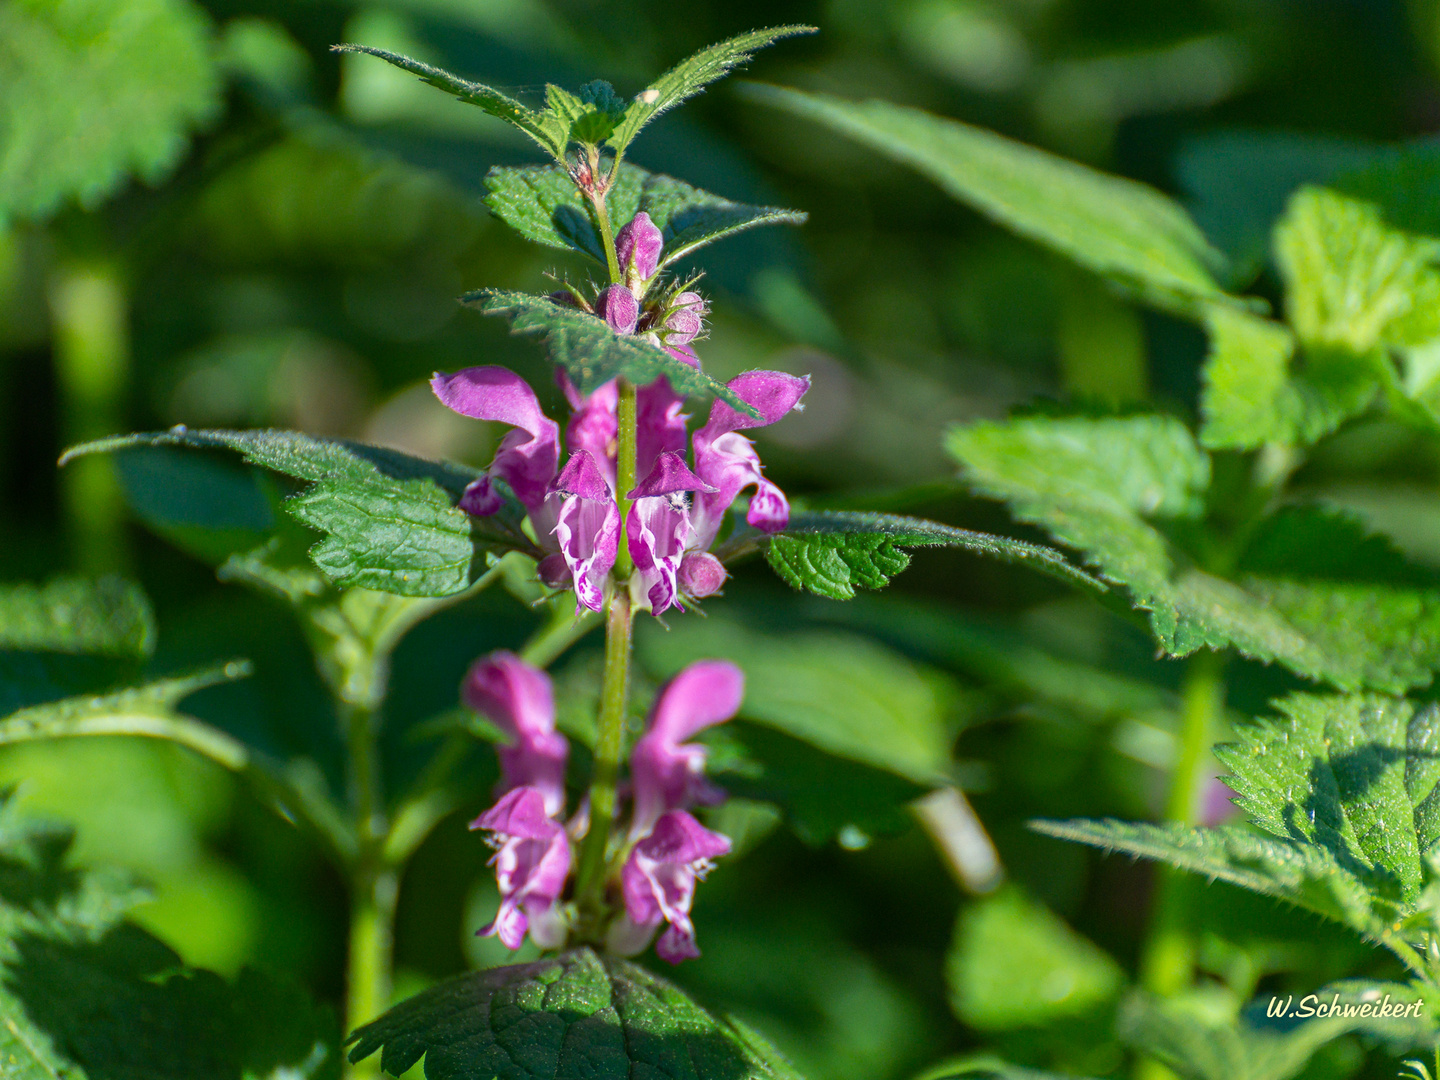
[{"x": 247, "y": 230}]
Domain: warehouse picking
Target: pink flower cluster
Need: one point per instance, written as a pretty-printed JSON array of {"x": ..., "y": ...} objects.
[
  {"x": 678, "y": 506},
  {"x": 669, "y": 850}
]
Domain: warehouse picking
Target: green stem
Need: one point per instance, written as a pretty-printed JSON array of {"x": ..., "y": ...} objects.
[
  {"x": 625, "y": 474},
  {"x": 1167, "y": 961},
  {"x": 607, "y": 237},
  {"x": 374, "y": 883}
]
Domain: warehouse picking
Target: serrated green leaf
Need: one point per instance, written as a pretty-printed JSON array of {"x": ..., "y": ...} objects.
[
  {"x": 108, "y": 617},
  {"x": 86, "y": 994},
  {"x": 1114, "y": 488},
  {"x": 548, "y": 130},
  {"x": 390, "y": 521},
  {"x": 830, "y": 553},
  {"x": 542, "y": 203},
  {"x": 592, "y": 353},
  {"x": 1256, "y": 390},
  {"x": 95, "y": 91},
  {"x": 574, "y": 1014},
  {"x": 1120, "y": 229},
  {"x": 1015, "y": 963},
  {"x": 691, "y": 76}
]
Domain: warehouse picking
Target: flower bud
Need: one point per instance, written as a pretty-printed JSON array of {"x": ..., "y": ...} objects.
[
  {"x": 638, "y": 246},
  {"x": 617, "y": 306},
  {"x": 686, "y": 318},
  {"x": 555, "y": 572},
  {"x": 701, "y": 574}
]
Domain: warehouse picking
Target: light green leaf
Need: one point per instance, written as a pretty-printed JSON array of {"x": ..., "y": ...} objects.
[
  {"x": 573, "y": 1014},
  {"x": 108, "y": 617},
  {"x": 830, "y": 553},
  {"x": 1015, "y": 963},
  {"x": 987, "y": 1065},
  {"x": 691, "y": 76},
  {"x": 1120, "y": 229},
  {"x": 94, "y": 91},
  {"x": 390, "y": 520},
  {"x": 550, "y": 132},
  {"x": 86, "y": 994},
  {"x": 1256, "y": 390},
  {"x": 592, "y": 353}
]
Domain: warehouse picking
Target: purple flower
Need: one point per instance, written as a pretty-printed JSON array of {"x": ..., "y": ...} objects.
[
  {"x": 618, "y": 307},
  {"x": 659, "y": 528},
  {"x": 517, "y": 699},
  {"x": 685, "y": 320},
  {"x": 588, "y": 528},
  {"x": 659, "y": 878},
  {"x": 667, "y": 772},
  {"x": 532, "y": 862},
  {"x": 637, "y": 246}
]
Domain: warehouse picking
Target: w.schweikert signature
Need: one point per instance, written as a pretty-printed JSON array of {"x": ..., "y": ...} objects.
[{"x": 1312, "y": 1006}]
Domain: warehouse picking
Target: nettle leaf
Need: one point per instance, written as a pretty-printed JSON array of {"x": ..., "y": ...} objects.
[
  {"x": 550, "y": 131},
  {"x": 1124, "y": 230},
  {"x": 1114, "y": 488},
  {"x": 1258, "y": 388},
  {"x": 108, "y": 617},
  {"x": 390, "y": 521},
  {"x": 592, "y": 353},
  {"x": 542, "y": 203},
  {"x": 574, "y": 1014},
  {"x": 689, "y": 77},
  {"x": 1200, "y": 1045},
  {"x": 86, "y": 994},
  {"x": 92, "y": 93},
  {"x": 831, "y": 553}
]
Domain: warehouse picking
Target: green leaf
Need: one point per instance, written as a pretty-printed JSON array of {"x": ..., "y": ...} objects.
[
  {"x": 592, "y": 353},
  {"x": 1200, "y": 1045},
  {"x": 987, "y": 1065},
  {"x": 691, "y": 76},
  {"x": 1120, "y": 229},
  {"x": 574, "y": 1014},
  {"x": 542, "y": 204},
  {"x": 830, "y": 553},
  {"x": 95, "y": 91},
  {"x": 86, "y": 994},
  {"x": 550, "y": 131},
  {"x": 108, "y": 617},
  {"x": 1015, "y": 963},
  {"x": 390, "y": 520},
  {"x": 1256, "y": 389},
  {"x": 1117, "y": 488}
]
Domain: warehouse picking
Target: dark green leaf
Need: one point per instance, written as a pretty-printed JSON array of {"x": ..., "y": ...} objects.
[
  {"x": 548, "y": 130},
  {"x": 390, "y": 520},
  {"x": 1121, "y": 229},
  {"x": 830, "y": 553},
  {"x": 691, "y": 76},
  {"x": 86, "y": 994},
  {"x": 592, "y": 353},
  {"x": 690, "y": 218},
  {"x": 108, "y": 617},
  {"x": 575, "y": 1014},
  {"x": 93, "y": 93}
]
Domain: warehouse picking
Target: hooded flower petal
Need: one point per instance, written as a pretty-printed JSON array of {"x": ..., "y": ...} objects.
[
  {"x": 527, "y": 457},
  {"x": 531, "y": 863},
  {"x": 516, "y": 697},
  {"x": 667, "y": 773},
  {"x": 727, "y": 460},
  {"x": 658, "y": 527},
  {"x": 588, "y": 528},
  {"x": 637, "y": 246},
  {"x": 658, "y": 881}
]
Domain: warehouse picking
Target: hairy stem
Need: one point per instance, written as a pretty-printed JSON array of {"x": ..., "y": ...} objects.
[
  {"x": 1167, "y": 961},
  {"x": 625, "y": 475},
  {"x": 607, "y": 236}
]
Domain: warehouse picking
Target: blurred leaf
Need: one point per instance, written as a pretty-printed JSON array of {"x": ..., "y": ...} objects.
[
  {"x": 93, "y": 91},
  {"x": 549, "y": 130},
  {"x": 1015, "y": 963},
  {"x": 391, "y": 520},
  {"x": 985, "y": 1065},
  {"x": 842, "y": 693},
  {"x": 1120, "y": 229},
  {"x": 86, "y": 994},
  {"x": 1257, "y": 391},
  {"x": 829, "y": 553},
  {"x": 690, "y": 76},
  {"x": 108, "y": 617},
  {"x": 1201, "y": 1046},
  {"x": 576, "y": 1011},
  {"x": 592, "y": 353}
]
